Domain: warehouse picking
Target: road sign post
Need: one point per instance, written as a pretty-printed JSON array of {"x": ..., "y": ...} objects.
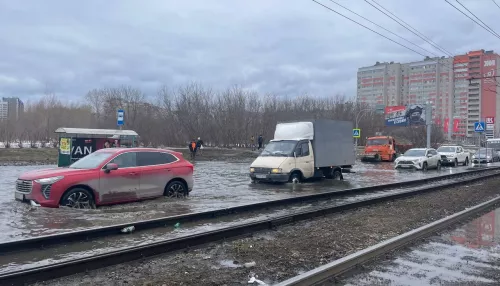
[
  {"x": 120, "y": 118},
  {"x": 479, "y": 127},
  {"x": 356, "y": 133}
]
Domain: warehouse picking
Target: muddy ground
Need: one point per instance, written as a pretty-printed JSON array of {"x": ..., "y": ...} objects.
[
  {"x": 48, "y": 156},
  {"x": 292, "y": 249}
]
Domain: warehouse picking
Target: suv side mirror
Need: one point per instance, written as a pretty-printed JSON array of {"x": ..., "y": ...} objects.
[{"x": 111, "y": 167}]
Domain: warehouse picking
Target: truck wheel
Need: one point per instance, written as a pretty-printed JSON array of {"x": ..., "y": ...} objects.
[
  {"x": 466, "y": 162},
  {"x": 455, "y": 164},
  {"x": 295, "y": 178},
  {"x": 337, "y": 175},
  {"x": 393, "y": 157}
]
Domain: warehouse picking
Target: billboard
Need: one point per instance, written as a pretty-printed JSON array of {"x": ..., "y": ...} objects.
[
  {"x": 446, "y": 125},
  {"x": 405, "y": 115},
  {"x": 489, "y": 86}
]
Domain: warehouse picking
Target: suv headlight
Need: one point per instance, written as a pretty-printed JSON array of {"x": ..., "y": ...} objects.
[
  {"x": 49, "y": 181},
  {"x": 252, "y": 170}
]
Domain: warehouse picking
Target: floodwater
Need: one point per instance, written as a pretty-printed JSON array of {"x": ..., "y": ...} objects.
[
  {"x": 218, "y": 184},
  {"x": 468, "y": 255}
]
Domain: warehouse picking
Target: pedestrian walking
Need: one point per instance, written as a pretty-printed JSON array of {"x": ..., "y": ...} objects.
[
  {"x": 193, "y": 149},
  {"x": 260, "y": 140},
  {"x": 199, "y": 146}
]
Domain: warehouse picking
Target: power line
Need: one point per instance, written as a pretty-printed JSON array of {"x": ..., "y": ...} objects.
[
  {"x": 471, "y": 18},
  {"x": 408, "y": 41},
  {"x": 496, "y": 4},
  {"x": 340, "y": 14},
  {"x": 408, "y": 27},
  {"x": 491, "y": 30}
]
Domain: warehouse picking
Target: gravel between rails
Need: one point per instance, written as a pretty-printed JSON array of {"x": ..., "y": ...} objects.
[{"x": 291, "y": 249}]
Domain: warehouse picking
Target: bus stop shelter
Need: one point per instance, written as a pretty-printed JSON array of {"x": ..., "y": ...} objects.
[{"x": 76, "y": 143}]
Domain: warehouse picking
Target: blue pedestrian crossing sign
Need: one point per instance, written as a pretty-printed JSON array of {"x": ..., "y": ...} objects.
[
  {"x": 356, "y": 133},
  {"x": 479, "y": 126}
]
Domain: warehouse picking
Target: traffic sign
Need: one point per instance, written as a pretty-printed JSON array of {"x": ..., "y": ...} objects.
[
  {"x": 479, "y": 126},
  {"x": 356, "y": 133},
  {"x": 120, "y": 117}
]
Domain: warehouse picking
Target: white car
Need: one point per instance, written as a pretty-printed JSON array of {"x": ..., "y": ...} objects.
[
  {"x": 419, "y": 159},
  {"x": 453, "y": 155}
]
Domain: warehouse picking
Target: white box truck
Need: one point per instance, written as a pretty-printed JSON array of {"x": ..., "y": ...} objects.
[{"x": 307, "y": 149}]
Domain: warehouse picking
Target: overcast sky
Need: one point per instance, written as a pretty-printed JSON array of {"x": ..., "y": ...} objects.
[{"x": 286, "y": 47}]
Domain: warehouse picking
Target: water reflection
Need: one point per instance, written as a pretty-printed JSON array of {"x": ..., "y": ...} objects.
[{"x": 483, "y": 231}]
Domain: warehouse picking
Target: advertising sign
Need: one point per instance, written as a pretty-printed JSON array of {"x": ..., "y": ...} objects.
[
  {"x": 490, "y": 120},
  {"x": 456, "y": 122},
  {"x": 64, "y": 146},
  {"x": 405, "y": 115},
  {"x": 81, "y": 147},
  {"x": 446, "y": 125}
]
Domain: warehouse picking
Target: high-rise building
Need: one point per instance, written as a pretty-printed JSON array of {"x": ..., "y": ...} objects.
[
  {"x": 15, "y": 108},
  {"x": 460, "y": 89}
]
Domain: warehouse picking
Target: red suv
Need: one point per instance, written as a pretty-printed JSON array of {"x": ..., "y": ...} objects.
[{"x": 109, "y": 176}]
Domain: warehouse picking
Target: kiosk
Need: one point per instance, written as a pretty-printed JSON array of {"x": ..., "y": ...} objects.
[{"x": 76, "y": 143}]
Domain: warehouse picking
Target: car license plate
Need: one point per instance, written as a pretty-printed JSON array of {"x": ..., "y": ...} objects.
[
  {"x": 405, "y": 166},
  {"x": 260, "y": 176},
  {"x": 19, "y": 196}
]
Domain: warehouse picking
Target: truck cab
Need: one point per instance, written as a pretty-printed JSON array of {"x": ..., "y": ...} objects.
[
  {"x": 282, "y": 158},
  {"x": 380, "y": 148}
]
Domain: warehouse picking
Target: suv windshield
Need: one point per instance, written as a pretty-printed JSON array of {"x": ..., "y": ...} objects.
[
  {"x": 280, "y": 148},
  {"x": 415, "y": 153},
  {"x": 376, "y": 142},
  {"x": 446, "y": 149},
  {"x": 91, "y": 161}
]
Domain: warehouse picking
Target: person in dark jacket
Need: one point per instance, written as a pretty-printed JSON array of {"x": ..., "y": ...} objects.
[
  {"x": 199, "y": 145},
  {"x": 260, "y": 140},
  {"x": 193, "y": 148}
]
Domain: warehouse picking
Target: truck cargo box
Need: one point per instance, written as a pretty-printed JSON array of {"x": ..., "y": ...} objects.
[{"x": 331, "y": 140}]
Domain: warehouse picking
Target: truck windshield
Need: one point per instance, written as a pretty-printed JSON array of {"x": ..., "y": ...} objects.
[
  {"x": 91, "y": 161},
  {"x": 279, "y": 148},
  {"x": 414, "y": 153},
  {"x": 446, "y": 149},
  {"x": 376, "y": 142}
]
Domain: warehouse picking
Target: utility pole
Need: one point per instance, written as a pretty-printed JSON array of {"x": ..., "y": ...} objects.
[{"x": 428, "y": 122}]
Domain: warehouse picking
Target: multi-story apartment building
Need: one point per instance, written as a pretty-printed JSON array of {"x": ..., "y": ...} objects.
[
  {"x": 4, "y": 110},
  {"x": 15, "y": 107},
  {"x": 461, "y": 89}
]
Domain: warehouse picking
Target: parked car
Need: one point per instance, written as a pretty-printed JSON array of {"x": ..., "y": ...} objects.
[
  {"x": 484, "y": 155},
  {"x": 419, "y": 159},
  {"x": 108, "y": 176},
  {"x": 453, "y": 155}
]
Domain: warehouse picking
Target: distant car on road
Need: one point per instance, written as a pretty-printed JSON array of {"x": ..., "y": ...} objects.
[
  {"x": 109, "y": 176},
  {"x": 453, "y": 155},
  {"x": 419, "y": 159},
  {"x": 484, "y": 155}
]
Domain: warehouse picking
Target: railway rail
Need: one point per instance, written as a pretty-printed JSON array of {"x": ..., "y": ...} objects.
[
  {"x": 324, "y": 274},
  {"x": 64, "y": 268}
]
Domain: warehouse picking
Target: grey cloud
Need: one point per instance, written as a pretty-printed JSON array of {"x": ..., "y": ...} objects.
[{"x": 283, "y": 47}]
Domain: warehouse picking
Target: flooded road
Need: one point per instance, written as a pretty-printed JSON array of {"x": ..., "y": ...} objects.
[
  {"x": 468, "y": 255},
  {"x": 218, "y": 184}
]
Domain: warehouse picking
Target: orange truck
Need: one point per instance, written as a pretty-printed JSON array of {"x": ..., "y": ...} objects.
[{"x": 382, "y": 148}]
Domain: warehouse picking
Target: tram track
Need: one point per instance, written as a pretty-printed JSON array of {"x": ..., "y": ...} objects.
[{"x": 59, "y": 269}]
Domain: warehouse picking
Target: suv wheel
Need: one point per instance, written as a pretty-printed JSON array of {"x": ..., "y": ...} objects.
[
  {"x": 424, "y": 167},
  {"x": 78, "y": 198},
  {"x": 176, "y": 189}
]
